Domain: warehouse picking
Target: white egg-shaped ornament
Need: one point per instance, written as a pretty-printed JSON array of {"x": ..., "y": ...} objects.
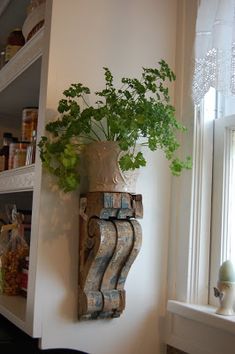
[{"x": 227, "y": 272}]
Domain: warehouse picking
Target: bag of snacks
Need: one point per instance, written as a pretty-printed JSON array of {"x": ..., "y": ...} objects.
[
  {"x": 13, "y": 257},
  {"x": 4, "y": 240}
]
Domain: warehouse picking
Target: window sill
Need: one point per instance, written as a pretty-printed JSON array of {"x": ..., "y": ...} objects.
[{"x": 202, "y": 313}]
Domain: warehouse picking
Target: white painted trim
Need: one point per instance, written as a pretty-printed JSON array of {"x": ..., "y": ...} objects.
[
  {"x": 196, "y": 329},
  {"x": 181, "y": 186},
  {"x": 191, "y": 193},
  {"x": 224, "y": 244},
  {"x": 191, "y": 207},
  {"x": 204, "y": 314},
  {"x": 196, "y": 205},
  {"x": 17, "y": 180},
  {"x": 14, "y": 309},
  {"x": 199, "y": 250},
  {"x": 22, "y": 60},
  {"x": 192, "y": 325},
  {"x": 220, "y": 242}
]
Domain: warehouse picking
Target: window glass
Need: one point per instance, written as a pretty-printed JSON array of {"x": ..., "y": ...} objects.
[
  {"x": 223, "y": 195},
  {"x": 231, "y": 201}
]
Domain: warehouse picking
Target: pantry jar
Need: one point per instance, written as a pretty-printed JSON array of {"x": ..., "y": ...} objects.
[
  {"x": 13, "y": 147},
  {"x": 14, "y": 42},
  {"x": 29, "y": 123},
  {"x": 19, "y": 157}
]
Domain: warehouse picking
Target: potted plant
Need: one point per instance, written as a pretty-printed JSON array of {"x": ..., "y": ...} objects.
[{"x": 136, "y": 113}]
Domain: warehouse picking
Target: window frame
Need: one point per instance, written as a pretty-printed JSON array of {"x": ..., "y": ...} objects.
[
  {"x": 189, "y": 327},
  {"x": 220, "y": 197},
  {"x": 191, "y": 226}
]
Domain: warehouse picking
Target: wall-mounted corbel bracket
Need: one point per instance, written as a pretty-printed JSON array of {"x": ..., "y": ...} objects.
[{"x": 110, "y": 239}]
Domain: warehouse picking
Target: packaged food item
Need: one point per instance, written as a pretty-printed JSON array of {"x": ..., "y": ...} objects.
[
  {"x": 29, "y": 123},
  {"x": 14, "y": 255},
  {"x": 17, "y": 154},
  {"x": 14, "y": 42},
  {"x": 19, "y": 158},
  {"x": 4, "y": 240},
  {"x": 4, "y": 151},
  {"x": 24, "y": 276},
  {"x": 31, "y": 151},
  {"x": 12, "y": 149},
  {"x": 1, "y": 277}
]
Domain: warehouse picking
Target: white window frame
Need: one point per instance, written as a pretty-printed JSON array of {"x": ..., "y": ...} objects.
[
  {"x": 190, "y": 241},
  {"x": 220, "y": 243},
  {"x": 200, "y": 230},
  {"x": 192, "y": 324}
]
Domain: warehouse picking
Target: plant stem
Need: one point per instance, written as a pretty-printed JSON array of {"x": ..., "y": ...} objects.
[
  {"x": 85, "y": 101},
  {"x": 100, "y": 127},
  {"x": 97, "y": 136}
]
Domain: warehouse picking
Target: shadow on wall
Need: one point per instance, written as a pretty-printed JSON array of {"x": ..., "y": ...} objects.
[
  {"x": 60, "y": 351},
  {"x": 171, "y": 350}
]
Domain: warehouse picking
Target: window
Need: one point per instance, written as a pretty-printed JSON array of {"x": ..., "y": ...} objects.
[
  {"x": 215, "y": 67},
  {"x": 197, "y": 249},
  {"x": 223, "y": 193},
  {"x": 196, "y": 242}
]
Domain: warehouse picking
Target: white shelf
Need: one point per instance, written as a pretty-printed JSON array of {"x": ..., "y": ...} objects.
[
  {"x": 14, "y": 309},
  {"x": 20, "y": 79},
  {"x": 23, "y": 59},
  {"x": 17, "y": 180}
]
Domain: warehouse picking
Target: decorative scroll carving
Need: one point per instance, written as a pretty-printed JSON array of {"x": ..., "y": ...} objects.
[{"x": 110, "y": 240}]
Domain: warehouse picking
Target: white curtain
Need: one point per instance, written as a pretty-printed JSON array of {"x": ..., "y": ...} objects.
[{"x": 214, "y": 48}]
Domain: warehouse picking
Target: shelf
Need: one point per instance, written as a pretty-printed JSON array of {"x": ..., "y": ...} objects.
[
  {"x": 23, "y": 59},
  {"x": 20, "y": 79},
  {"x": 14, "y": 309},
  {"x": 17, "y": 180}
]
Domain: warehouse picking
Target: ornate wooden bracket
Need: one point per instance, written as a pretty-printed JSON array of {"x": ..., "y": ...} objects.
[{"x": 110, "y": 239}]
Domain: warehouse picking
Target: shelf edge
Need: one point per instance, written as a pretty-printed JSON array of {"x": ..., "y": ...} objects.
[
  {"x": 18, "y": 180},
  {"x": 24, "y": 58}
]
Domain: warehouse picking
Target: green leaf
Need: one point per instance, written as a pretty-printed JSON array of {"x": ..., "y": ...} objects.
[{"x": 131, "y": 161}]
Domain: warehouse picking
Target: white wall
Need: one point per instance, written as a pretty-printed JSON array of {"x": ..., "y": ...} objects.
[{"x": 123, "y": 35}]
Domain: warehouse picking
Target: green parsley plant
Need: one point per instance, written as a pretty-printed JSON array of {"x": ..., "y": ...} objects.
[{"x": 137, "y": 111}]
